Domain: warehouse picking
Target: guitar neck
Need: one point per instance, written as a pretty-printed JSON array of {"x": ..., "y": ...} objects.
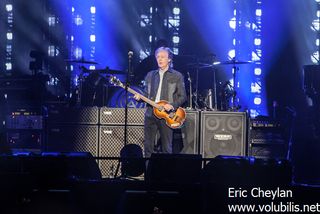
[{"x": 145, "y": 99}]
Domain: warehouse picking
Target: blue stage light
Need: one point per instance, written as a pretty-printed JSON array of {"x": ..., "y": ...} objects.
[
  {"x": 9, "y": 7},
  {"x": 92, "y": 38},
  {"x": 257, "y": 101},
  {"x": 9, "y": 36},
  {"x": 176, "y": 11},
  {"x": 93, "y": 10}
]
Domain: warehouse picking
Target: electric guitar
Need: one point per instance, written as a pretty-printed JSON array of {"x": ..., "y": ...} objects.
[{"x": 174, "y": 118}]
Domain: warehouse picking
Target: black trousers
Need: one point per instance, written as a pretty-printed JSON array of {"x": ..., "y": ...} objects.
[{"x": 151, "y": 127}]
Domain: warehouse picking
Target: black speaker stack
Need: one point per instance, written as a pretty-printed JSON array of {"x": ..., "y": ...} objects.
[
  {"x": 99, "y": 131},
  {"x": 112, "y": 134}
]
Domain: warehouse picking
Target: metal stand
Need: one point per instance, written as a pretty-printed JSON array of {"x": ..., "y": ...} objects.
[
  {"x": 234, "y": 95},
  {"x": 190, "y": 91},
  {"x": 130, "y": 54},
  {"x": 215, "y": 89},
  {"x": 196, "y": 105},
  {"x": 234, "y": 106},
  {"x": 79, "y": 90}
]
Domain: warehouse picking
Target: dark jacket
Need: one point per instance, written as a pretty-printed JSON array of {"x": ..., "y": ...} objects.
[{"x": 172, "y": 90}]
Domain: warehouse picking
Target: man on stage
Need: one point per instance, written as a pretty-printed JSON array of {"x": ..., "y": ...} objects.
[{"x": 167, "y": 84}]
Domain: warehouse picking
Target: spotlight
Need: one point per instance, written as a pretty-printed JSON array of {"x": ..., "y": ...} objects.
[
  {"x": 257, "y": 71},
  {"x": 9, "y": 36},
  {"x": 257, "y": 101},
  {"x": 92, "y": 38},
  {"x": 232, "y": 53},
  {"x": 93, "y": 10},
  {"x": 176, "y": 11},
  {"x": 232, "y": 23},
  {"x": 9, "y": 7},
  {"x": 176, "y": 39},
  {"x": 258, "y": 12},
  {"x": 257, "y": 41},
  {"x": 8, "y": 66}
]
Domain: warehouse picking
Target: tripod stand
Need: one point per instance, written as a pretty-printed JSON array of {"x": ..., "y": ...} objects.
[{"x": 234, "y": 103}]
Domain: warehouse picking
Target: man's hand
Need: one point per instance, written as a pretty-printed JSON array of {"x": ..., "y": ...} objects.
[
  {"x": 137, "y": 97},
  {"x": 168, "y": 107}
]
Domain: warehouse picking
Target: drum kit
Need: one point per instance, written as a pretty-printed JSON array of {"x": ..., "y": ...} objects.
[
  {"x": 222, "y": 95},
  {"x": 93, "y": 85},
  {"x": 90, "y": 87}
]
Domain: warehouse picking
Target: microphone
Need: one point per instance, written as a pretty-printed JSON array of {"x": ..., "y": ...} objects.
[
  {"x": 189, "y": 78},
  {"x": 130, "y": 54}
]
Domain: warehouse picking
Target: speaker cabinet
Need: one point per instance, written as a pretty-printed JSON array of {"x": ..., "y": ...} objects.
[
  {"x": 223, "y": 133},
  {"x": 72, "y": 138},
  {"x": 73, "y": 115},
  {"x": 115, "y": 116},
  {"x": 188, "y": 135},
  {"x": 111, "y": 143}
]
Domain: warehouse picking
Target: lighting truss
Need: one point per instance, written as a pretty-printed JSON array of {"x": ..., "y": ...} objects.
[
  {"x": 315, "y": 27},
  {"x": 9, "y": 36},
  {"x": 247, "y": 45},
  {"x": 160, "y": 20}
]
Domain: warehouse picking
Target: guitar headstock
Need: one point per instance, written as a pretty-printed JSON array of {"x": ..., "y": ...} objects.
[{"x": 115, "y": 81}]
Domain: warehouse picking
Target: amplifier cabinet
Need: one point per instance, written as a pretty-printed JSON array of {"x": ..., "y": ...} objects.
[
  {"x": 73, "y": 115},
  {"x": 223, "y": 133},
  {"x": 72, "y": 138},
  {"x": 111, "y": 143}
]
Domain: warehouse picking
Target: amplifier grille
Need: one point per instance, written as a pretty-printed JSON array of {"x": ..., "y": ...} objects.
[
  {"x": 73, "y": 115},
  {"x": 115, "y": 116},
  {"x": 111, "y": 143},
  {"x": 75, "y": 138}
]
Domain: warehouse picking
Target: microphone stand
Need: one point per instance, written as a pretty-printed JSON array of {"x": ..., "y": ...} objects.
[
  {"x": 129, "y": 74},
  {"x": 215, "y": 89},
  {"x": 190, "y": 91},
  {"x": 130, "y": 54},
  {"x": 197, "y": 86}
]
